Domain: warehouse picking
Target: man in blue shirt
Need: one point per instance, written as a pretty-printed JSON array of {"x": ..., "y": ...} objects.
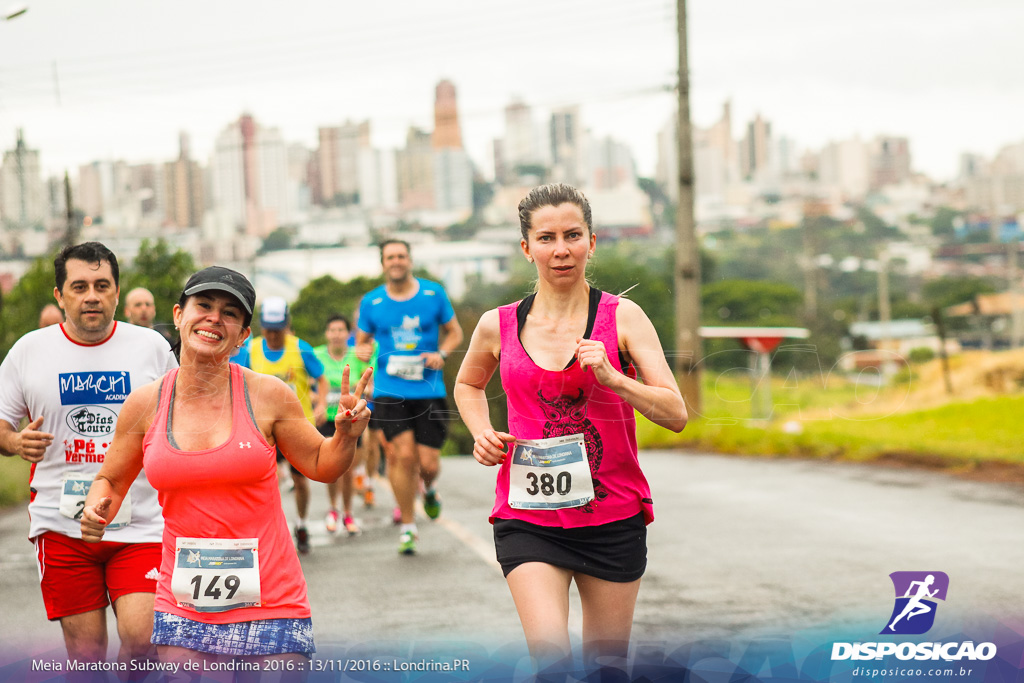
[{"x": 407, "y": 316}]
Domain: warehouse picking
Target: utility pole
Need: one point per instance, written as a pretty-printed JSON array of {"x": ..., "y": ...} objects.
[
  {"x": 71, "y": 231},
  {"x": 687, "y": 270},
  {"x": 19, "y": 169},
  {"x": 810, "y": 240},
  {"x": 1013, "y": 275},
  {"x": 884, "y": 306}
]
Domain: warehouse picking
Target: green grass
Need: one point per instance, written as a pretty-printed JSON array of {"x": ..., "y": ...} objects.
[
  {"x": 837, "y": 422},
  {"x": 13, "y": 480}
]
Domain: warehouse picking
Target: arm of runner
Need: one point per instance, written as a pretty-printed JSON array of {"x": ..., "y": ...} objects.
[
  {"x": 452, "y": 338},
  {"x": 489, "y": 445},
  {"x": 30, "y": 443},
  {"x": 314, "y": 456},
  {"x": 315, "y": 370},
  {"x": 320, "y": 408},
  {"x": 364, "y": 345},
  {"x": 121, "y": 464},
  {"x": 657, "y": 398}
]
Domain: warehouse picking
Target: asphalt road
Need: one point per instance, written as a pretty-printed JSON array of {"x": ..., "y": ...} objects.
[{"x": 741, "y": 548}]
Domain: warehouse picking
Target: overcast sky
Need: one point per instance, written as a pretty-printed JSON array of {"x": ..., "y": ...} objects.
[{"x": 117, "y": 79}]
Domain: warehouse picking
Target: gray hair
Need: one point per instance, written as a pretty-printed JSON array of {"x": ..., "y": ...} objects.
[{"x": 553, "y": 194}]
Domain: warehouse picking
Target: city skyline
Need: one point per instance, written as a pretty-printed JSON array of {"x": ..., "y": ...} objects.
[{"x": 110, "y": 80}]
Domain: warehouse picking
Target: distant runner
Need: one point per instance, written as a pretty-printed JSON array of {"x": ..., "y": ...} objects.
[{"x": 407, "y": 316}]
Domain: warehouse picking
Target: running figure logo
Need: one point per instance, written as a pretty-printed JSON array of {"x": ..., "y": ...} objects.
[{"x": 916, "y": 593}]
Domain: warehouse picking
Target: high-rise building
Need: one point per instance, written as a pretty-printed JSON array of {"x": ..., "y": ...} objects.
[
  {"x": 890, "y": 161},
  {"x": 250, "y": 177},
  {"x": 416, "y": 171},
  {"x": 502, "y": 172},
  {"x": 453, "y": 181},
  {"x": 447, "y": 134},
  {"x": 998, "y": 186},
  {"x": 612, "y": 165},
  {"x": 23, "y": 195},
  {"x": 184, "y": 188},
  {"x": 844, "y": 166},
  {"x": 666, "y": 171},
  {"x": 338, "y": 161},
  {"x": 567, "y": 146},
  {"x": 378, "y": 179},
  {"x": 453, "y": 172},
  {"x": 95, "y": 187},
  {"x": 522, "y": 146},
  {"x": 755, "y": 149},
  {"x": 56, "y": 199},
  {"x": 300, "y": 192},
  {"x": 147, "y": 187}
]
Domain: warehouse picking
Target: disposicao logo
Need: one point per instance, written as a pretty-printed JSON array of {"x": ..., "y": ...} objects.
[
  {"x": 916, "y": 595},
  {"x": 913, "y": 614}
]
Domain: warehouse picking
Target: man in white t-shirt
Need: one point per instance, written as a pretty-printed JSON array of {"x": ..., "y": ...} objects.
[{"x": 70, "y": 381}]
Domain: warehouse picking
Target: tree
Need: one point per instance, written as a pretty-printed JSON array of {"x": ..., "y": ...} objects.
[
  {"x": 743, "y": 302},
  {"x": 645, "y": 277},
  {"x": 19, "y": 310},
  {"x": 323, "y": 297},
  {"x": 955, "y": 290},
  {"x": 944, "y": 222},
  {"x": 483, "y": 193},
  {"x": 875, "y": 227},
  {"x": 279, "y": 239},
  {"x": 163, "y": 272}
]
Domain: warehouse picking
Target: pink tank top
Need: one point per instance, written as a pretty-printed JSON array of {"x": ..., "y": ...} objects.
[
  {"x": 226, "y": 493},
  {"x": 544, "y": 403}
]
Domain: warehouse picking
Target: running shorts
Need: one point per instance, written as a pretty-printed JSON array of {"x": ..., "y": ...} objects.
[
  {"x": 426, "y": 417},
  {"x": 374, "y": 420},
  {"x": 616, "y": 551},
  {"x": 78, "y": 577}
]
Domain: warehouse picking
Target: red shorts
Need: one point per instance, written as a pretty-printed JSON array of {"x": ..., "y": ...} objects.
[{"x": 78, "y": 577}]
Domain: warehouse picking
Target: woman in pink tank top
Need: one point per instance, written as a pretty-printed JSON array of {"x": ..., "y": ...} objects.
[
  {"x": 230, "y": 585},
  {"x": 571, "y": 502}
]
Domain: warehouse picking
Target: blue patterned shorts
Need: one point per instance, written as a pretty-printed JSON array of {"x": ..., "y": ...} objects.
[{"x": 257, "y": 637}]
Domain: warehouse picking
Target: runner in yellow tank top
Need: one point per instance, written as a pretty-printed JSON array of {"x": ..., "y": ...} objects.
[
  {"x": 289, "y": 368},
  {"x": 296, "y": 365}
]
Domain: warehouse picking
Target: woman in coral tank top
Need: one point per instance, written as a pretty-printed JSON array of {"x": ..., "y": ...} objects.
[
  {"x": 571, "y": 501},
  {"x": 230, "y": 586}
]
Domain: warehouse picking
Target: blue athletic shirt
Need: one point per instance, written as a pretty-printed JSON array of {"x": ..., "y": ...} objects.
[
  {"x": 406, "y": 329},
  {"x": 314, "y": 368}
]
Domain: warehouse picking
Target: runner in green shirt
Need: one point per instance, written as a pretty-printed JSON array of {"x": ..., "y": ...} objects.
[{"x": 335, "y": 355}]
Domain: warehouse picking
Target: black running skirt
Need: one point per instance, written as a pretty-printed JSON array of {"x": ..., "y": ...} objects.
[{"x": 616, "y": 551}]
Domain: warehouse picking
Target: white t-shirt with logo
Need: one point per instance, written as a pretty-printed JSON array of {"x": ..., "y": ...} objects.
[{"x": 79, "y": 391}]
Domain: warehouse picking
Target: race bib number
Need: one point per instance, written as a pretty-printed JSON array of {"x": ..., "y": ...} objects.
[
  {"x": 75, "y": 488},
  {"x": 405, "y": 367},
  {"x": 216, "y": 574},
  {"x": 550, "y": 474}
]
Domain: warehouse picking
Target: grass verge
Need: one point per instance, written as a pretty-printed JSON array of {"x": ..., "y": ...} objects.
[
  {"x": 838, "y": 423},
  {"x": 13, "y": 480}
]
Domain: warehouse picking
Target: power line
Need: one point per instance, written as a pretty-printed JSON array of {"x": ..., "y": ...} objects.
[
  {"x": 437, "y": 29},
  {"x": 148, "y": 76}
]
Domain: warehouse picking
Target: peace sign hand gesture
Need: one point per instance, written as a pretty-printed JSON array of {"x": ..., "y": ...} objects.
[{"x": 353, "y": 414}]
